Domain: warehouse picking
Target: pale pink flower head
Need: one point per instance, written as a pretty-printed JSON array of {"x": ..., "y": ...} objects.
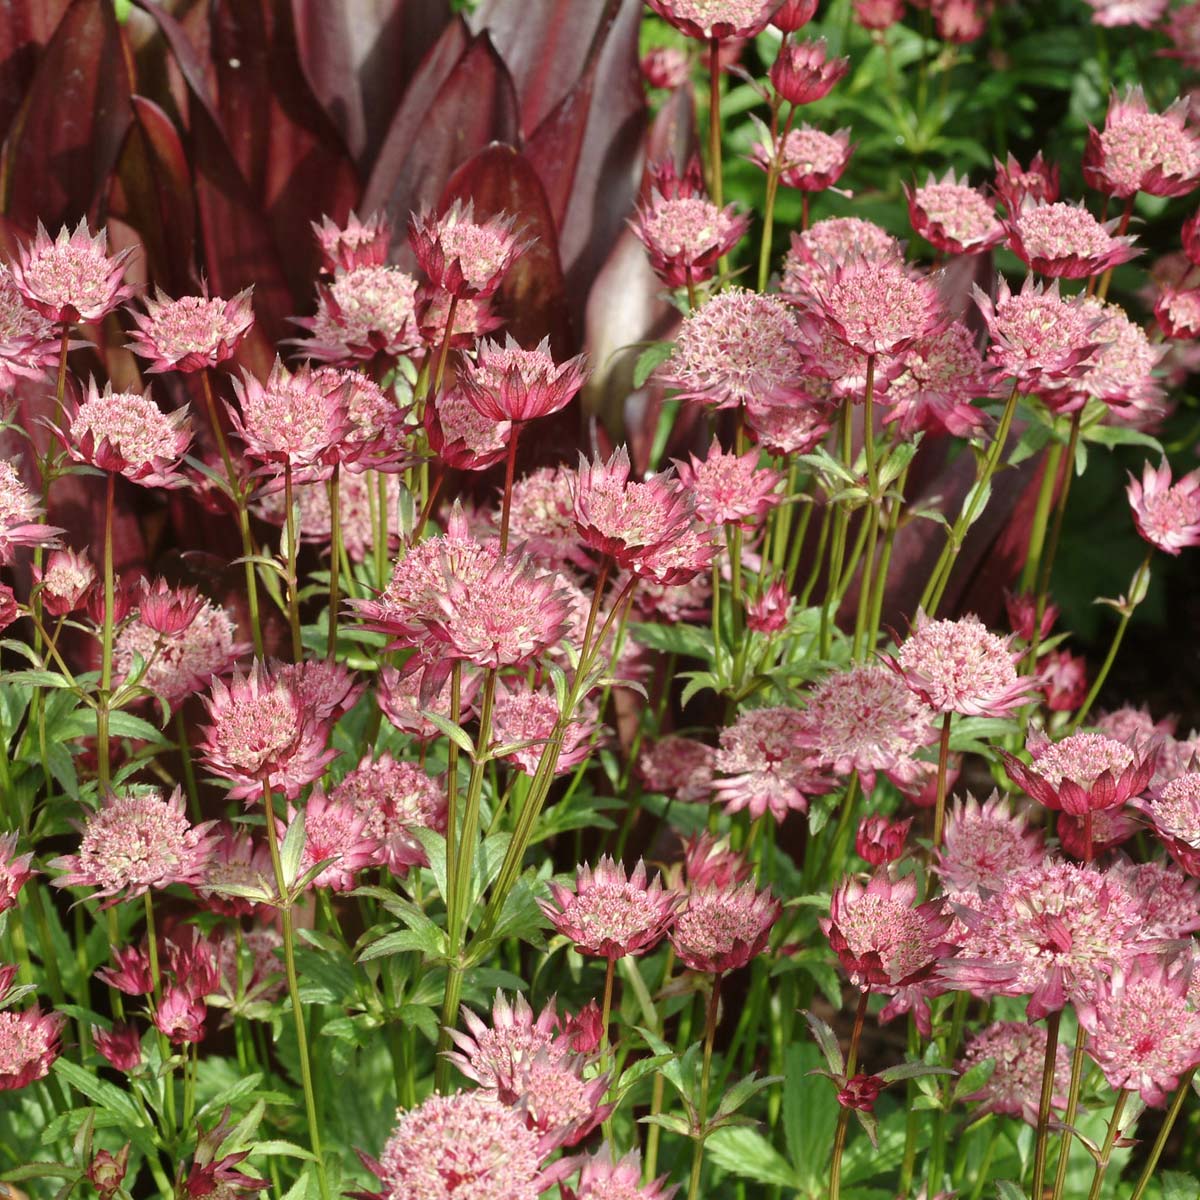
[
  {"x": 462, "y": 256},
  {"x": 507, "y": 383},
  {"x": 1081, "y": 773},
  {"x": 28, "y": 345},
  {"x": 542, "y": 517},
  {"x": 940, "y": 378},
  {"x": 1048, "y": 934},
  {"x": 771, "y": 611},
  {"x": 960, "y": 666},
  {"x": 71, "y": 278},
  {"x": 722, "y": 928},
  {"x": 375, "y": 436},
  {"x": 128, "y": 434},
  {"x": 296, "y": 418},
  {"x": 984, "y": 844},
  {"x": 180, "y": 1016},
  {"x": 364, "y": 311},
  {"x": 807, "y": 159},
  {"x": 400, "y": 700},
  {"x": 1174, "y": 813},
  {"x": 15, "y": 871},
  {"x": 1143, "y": 1034},
  {"x": 681, "y": 767},
  {"x": 359, "y": 244},
  {"x": 334, "y": 835},
  {"x": 473, "y": 319},
  {"x": 131, "y": 975},
  {"x": 1121, "y": 371},
  {"x": 1143, "y": 151},
  {"x": 461, "y": 436},
  {"x": 882, "y": 936},
  {"x": 1021, "y": 609},
  {"x": 786, "y": 429},
  {"x": 736, "y": 348},
  {"x": 876, "y": 304},
  {"x": 1177, "y": 311},
  {"x": 167, "y": 610},
  {"x": 685, "y": 236},
  {"x": 959, "y": 21},
  {"x": 709, "y": 861},
  {"x": 1065, "y": 241},
  {"x": 467, "y": 1146},
  {"x": 238, "y": 860},
  {"x": 767, "y": 767},
  {"x": 260, "y": 734},
  {"x": 716, "y": 20},
  {"x": 730, "y": 488},
  {"x": 525, "y": 718},
  {"x": 831, "y": 240},
  {"x": 19, "y": 516},
  {"x": 395, "y": 799},
  {"x": 325, "y": 689},
  {"x": 28, "y": 1043},
  {"x": 792, "y": 15},
  {"x": 1018, "y": 1048},
  {"x": 611, "y": 914},
  {"x": 135, "y": 842},
  {"x": 558, "y": 1103},
  {"x": 878, "y": 15},
  {"x": 953, "y": 217},
  {"x": 803, "y": 72},
  {"x": 193, "y": 333},
  {"x": 865, "y": 719},
  {"x": 1115, "y": 14},
  {"x": 494, "y": 1055},
  {"x": 1064, "y": 680},
  {"x": 65, "y": 581},
  {"x": 603, "y": 1178},
  {"x": 879, "y": 840},
  {"x": 1014, "y": 182},
  {"x": 665, "y": 67},
  {"x": 1170, "y": 899},
  {"x": 1037, "y": 338},
  {"x": 1166, "y": 514}
]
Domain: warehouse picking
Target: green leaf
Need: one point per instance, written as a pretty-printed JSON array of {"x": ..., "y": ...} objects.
[
  {"x": 1178, "y": 1186},
  {"x": 1007, "y": 1190},
  {"x": 748, "y": 1154},
  {"x": 110, "y": 1097},
  {"x": 743, "y": 1091},
  {"x": 292, "y": 850},
  {"x": 809, "y": 1115},
  {"x": 827, "y": 1041},
  {"x": 652, "y": 357},
  {"x": 402, "y": 941},
  {"x": 688, "y": 640},
  {"x": 456, "y": 733},
  {"x": 123, "y": 724}
]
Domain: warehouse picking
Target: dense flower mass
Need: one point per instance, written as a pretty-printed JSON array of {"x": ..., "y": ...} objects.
[
  {"x": 191, "y": 333},
  {"x": 1018, "y": 1050},
  {"x": 1065, "y": 241}
]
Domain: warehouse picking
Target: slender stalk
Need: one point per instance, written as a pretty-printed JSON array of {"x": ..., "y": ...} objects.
[
  {"x": 293, "y": 581},
  {"x": 164, "y": 1049},
  {"x": 837, "y": 553},
  {"x": 289, "y": 957},
  {"x": 106, "y": 651},
  {"x": 1106, "y": 278},
  {"x": 1049, "y": 1066},
  {"x": 1114, "y": 1128},
  {"x": 1041, "y": 516},
  {"x": 335, "y": 558},
  {"x": 606, "y": 1010},
  {"x": 939, "y": 812},
  {"x": 189, "y": 772},
  {"x": 1064, "y": 1152},
  {"x": 509, "y": 470},
  {"x": 716, "y": 183},
  {"x": 444, "y": 352},
  {"x": 1181, "y": 1094},
  {"x": 885, "y": 560},
  {"x": 710, "y": 1030},
  {"x": 843, "y": 1121}
]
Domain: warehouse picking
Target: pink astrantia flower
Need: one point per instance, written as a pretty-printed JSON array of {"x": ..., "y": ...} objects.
[
  {"x": 71, "y": 278},
  {"x": 1048, "y": 934},
  {"x": 723, "y": 928},
  {"x": 736, "y": 348},
  {"x": 953, "y": 217},
  {"x": 603, "y": 1178},
  {"x": 984, "y": 844},
  {"x": 15, "y": 871},
  {"x": 136, "y": 842},
  {"x": 542, "y": 517},
  {"x": 1177, "y": 311},
  {"x": 1166, "y": 514},
  {"x": 1174, "y": 812},
  {"x": 473, "y": 319},
  {"x": 359, "y": 244},
  {"x": 193, "y": 333},
  {"x": 180, "y": 1016},
  {"x": 128, "y": 434},
  {"x": 493, "y": 1055},
  {"x": 833, "y": 239},
  {"x": 1021, "y": 610},
  {"x": 1014, "y": 1088},
  {"x": 716, "y": 20},
  {"x": 803, "y": 72},
  {"x": 238, "y": 860},
  {"x": 28, "y": 345},
  {"x": 1014, "y": 182},
  {"x": 325, "y": 689},
  {"x": 121, "y": 1046},
  {"x": 665, "y": 67},
  {"x": 807, "y": 159},
  {"x": 400, "y": 701},
  {"x": 1088, "y": 837},
  {"x": 878, "y": 15},
  {"x": 335, "y": 835},
  {"x": 524, "y": 720},
  {"x": 784, "y": 429},
  {"x": 1065, "y": 241},
  {"x": 678, "y": 766},
  {"x": 260, "y": 734},
  {"x": 792, "y": 15},
  {"x": 376, "y": 435},
  {"x": 879, "y": 840},
  {"x": 28, "y": 1044},
  {"x": 507, "y": 383},
  {"x": 941, "y": 377},
  {"x": 771, "y": 611},
  {"x": 131, "y": 975},
  {"x": 730, "y": 488},
  {"x": 865, "y": 719},
  {"x": 1170, "y": 898},
  {"x": 462, "y": 256},
  {"x": 394, "y": 799},
  {"x": 1115, "y": 14},
  {"x": 1121, "y": 371},
  {"x": 167, "y": 610},
  {"x": 611, "y": 914},
  {"x": 461, "y": 436},
  {"x": 709, "y": 861},
  {"x": 558, "y": 1103},
  {"x": 961, "y": 667},
  {"x": 959, "y": 21},
  {"x": 1182, "y": 27},
  {"x": 364, "y": 311},
  {"x": 686, "y": 236},
  {"x": 1143, "y": 151},
  {"x": 1064, "y": 680},
  {"x": 19, "y": 513},
  {"x": 1143, "y": 1033},
  {"x": 768, "y": 769}
]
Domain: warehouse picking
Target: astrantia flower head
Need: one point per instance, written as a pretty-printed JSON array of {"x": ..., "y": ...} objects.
[
  {"x": 326, "y": 689},
  {"x": 466, "y": 1146},
  {"x": 959, "y": 21},
  {"x": 771, "y": 611},
  {"x": 961, "y": 667},
  {"x": 1014, "y": 182},
  {"x": 28, "y": 1045},
  {"x": 665, "y": 67},
  {"x": 1065, "y": 241},
  {"x": 473, "y": 319},
  {"x": 879, "y": 840},
  {"x": 602, "y": 1178},
  {"x": 65, "y": 581},
  {"x": 400, "y": 700},
  {"x": 953, "y": 216},
  {"x": 462, "y": 256},
  {"x": 525, "y": 718},
  {"x": 831, "y": 240},
  {"x": 359, "y": 244},
  {"x": 803, "y": 72},
  {"x": 709, "y": 861},
  {"x": 730, "y": 488},
  {"x": 180, "y": 1016},
  {"x": 296, "y": 418},
  {"x": 737, "y": 347},
  {"x": 72, "y": 277},
  {"x": 260, "y": 733},
  {"x": 335, "y": 835},
  {"x": 939, "y": 379},
  {"x": 193, "y": 333},
  {"x": 1048, "y": 934},
  {"x": 716, "y": 20},
  {"x": 558, "y": 1103},
  {"x": 984, "y": 844},
  {"x": 28, "y": 345},
  {"x": 686, "y": 236},
  {"x": 1115, "y": 14},
  {"x": 785, "y": 429},
  {"x": 507, "y": 383},
  {"x": 1175, "y": 814},
  {"x": 1177, "y": 311},
  {"x": 1143, "y": 1033},
  {"x": 1170, "y": 899},
  {"x": 128, "y": 434},
  {"x": 1018, "y": 1049},
  {"x": 1088, "y": 837},
  {"x": 678, "y": 766},
  {"x": 1121, "y": 371},
  {"x": 461, "y": 436},
  {"x": 767, "y": 767},
  {"x": 542, "y": 517},
  {"x": 806, "y": 159},
  {"x": 723, "y": 928},
  {"x": 611, "y": 914},
  {"x": 792, "y": 15},
  {"x": 494, "y": 1055},
  {"x": 1166, "y": 514},
  {"x": 121, "y": 1046},
  {"x": 136, "y": 842},
  {"x": 167, "y": 610},
  {"x": 1143, "y": 151},
  {"x": 15, "y": 871},
  {"x": 238, "y": 860},
  {"x": 375, "y": 436},
  {"x": 865, "y": 719},
  {"x": 364, "y": 311},
  {"x": 19, "y": 513},
  {"x": 882, "y": 936}
]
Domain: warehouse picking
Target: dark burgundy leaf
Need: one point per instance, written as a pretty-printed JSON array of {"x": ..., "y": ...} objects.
[{"x": 24, "y": 31}]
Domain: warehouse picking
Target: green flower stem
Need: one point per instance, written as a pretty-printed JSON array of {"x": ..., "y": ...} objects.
[
  {"x": 289, "y": 957},
  {"x": 939, "y": 812},
  {"x": 1114, "y": 1128},
  {"x": 818, "y": 558},
  {"x": 106, "y": 645},
  {"x": 716, "y": 182},
  {"x": 292, "y": 550},
  {"x": 843, "y": 1121},
  {"x": 509, "y": 471},
  {"x": 1181, "y": 1094},
  {"x": 444, "y": 352},
  {"x": 1049, "y": 1067},
  {"x": 885, "y": 560},
  {"x": 1106, "y": 278},
  {"x": 1041, "y": 516},
  {"x": 335, "y": 559},
  {"x": 164, "y": 1049},
  {"x": 837, "y": 553},
  {"x": 1064, "y": 1152},
  {"x": 189, "y": 771},
  {"x": 710, "y": 1031}
]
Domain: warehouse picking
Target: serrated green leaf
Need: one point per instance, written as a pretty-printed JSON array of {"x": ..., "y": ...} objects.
[
  {"x": 745, "y": 1153},
  {"x": 292, "y": 851}
]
